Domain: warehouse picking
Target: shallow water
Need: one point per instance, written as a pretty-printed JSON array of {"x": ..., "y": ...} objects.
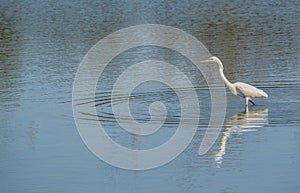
[{"x": 42, "y": 45}]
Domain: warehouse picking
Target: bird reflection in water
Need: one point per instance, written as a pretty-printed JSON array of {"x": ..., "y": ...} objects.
[{"x": 241, "y": 122}]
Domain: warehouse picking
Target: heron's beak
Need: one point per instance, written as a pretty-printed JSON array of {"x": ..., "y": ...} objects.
[{"x": 204, "y": 61}]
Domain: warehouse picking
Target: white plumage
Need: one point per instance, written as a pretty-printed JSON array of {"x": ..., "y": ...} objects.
[{"x": 239, "y": 88}]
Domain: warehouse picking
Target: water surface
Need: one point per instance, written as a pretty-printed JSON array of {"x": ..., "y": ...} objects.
[{"x": 43, "y": 43}]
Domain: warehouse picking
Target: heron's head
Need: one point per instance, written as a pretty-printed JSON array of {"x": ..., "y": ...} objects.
[
  {"x": 210, "y": 59},
  {"x": 213, "y": 59}
]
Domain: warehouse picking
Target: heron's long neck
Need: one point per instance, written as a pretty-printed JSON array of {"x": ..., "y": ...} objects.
[{"x": 228, "y": 84}]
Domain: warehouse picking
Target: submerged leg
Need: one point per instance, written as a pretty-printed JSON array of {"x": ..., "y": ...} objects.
[{"x": 246, "y": 110}]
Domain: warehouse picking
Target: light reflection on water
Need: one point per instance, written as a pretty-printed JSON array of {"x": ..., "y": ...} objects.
[
  {"x": 249, "y": 120},
  {"x": 42, "y": 44}
]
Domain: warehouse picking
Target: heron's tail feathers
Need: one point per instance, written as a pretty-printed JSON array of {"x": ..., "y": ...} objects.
[{"x": 263, "y": 94}]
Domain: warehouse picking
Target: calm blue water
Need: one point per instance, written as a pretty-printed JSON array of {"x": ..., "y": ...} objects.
[{"x": 43, "y": 43}]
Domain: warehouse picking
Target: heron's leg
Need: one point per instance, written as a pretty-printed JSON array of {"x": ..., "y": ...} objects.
[
  {"x": 246, "y": 109},
  {"x": 251, "y": 101}
]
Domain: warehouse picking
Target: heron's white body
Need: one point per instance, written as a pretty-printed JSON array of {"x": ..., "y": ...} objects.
[
  {"x": 244, "y": 89},
  {"x": 239, "y": 88}
]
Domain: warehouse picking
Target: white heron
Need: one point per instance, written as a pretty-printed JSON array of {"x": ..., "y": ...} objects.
[{"x": 239, "y": 88}]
